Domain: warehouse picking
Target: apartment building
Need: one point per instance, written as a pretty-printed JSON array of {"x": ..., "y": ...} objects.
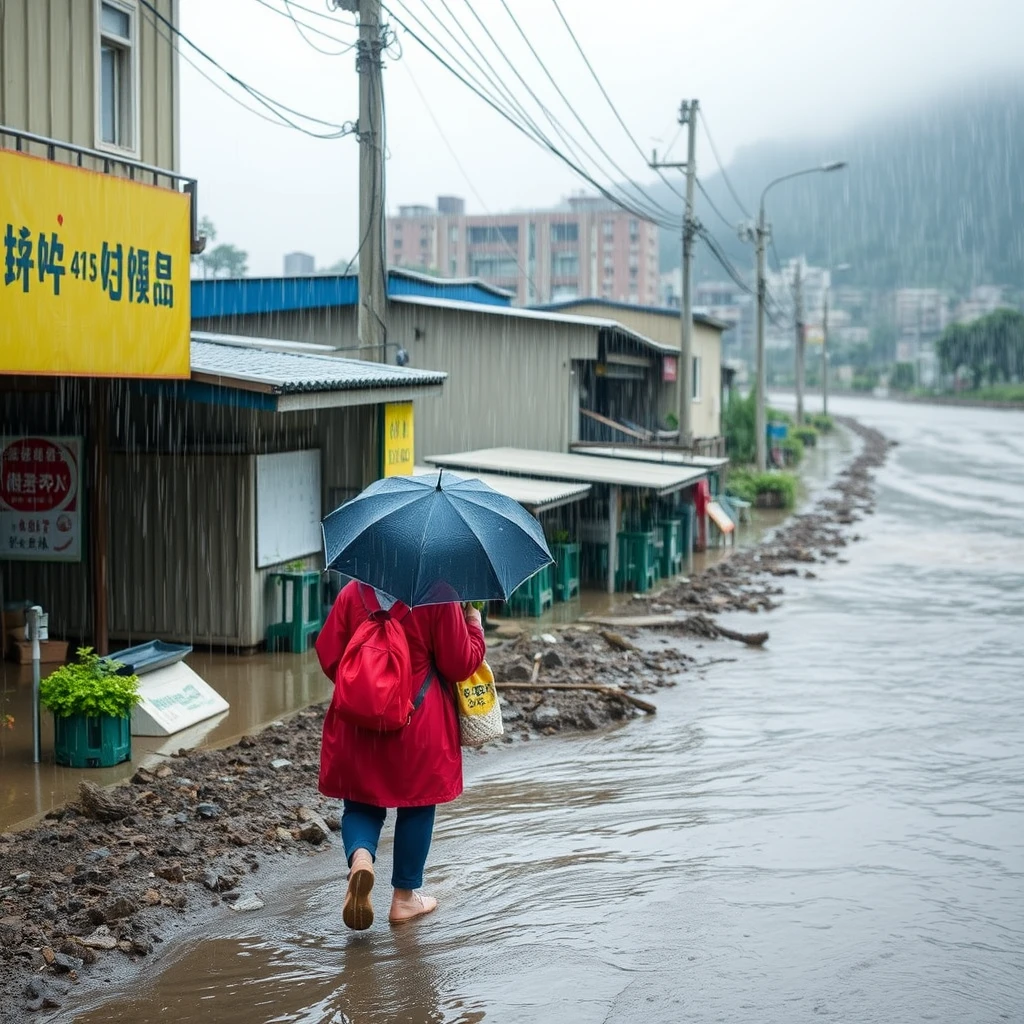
[{"x": 589, "y": 249}]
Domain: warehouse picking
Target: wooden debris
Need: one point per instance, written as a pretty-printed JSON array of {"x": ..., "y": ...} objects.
[
  {"x": 617, "y": 642},
  {"x": 608, "y": 691},
  {"x": 750, "y": 639},
  {"x": 101, "y": 805}
]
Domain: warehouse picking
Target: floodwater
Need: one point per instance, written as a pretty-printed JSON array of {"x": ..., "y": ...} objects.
[{"x": 831, "y": 827}]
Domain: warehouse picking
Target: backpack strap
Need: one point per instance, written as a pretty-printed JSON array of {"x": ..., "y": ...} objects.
[{"x": 418, "y": 699}]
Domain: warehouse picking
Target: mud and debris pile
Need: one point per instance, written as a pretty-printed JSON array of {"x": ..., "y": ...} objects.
[{"x": 115, "y": 873}]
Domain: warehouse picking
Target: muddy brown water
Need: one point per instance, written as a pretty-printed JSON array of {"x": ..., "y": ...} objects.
[{"x": 830, "y": 827}]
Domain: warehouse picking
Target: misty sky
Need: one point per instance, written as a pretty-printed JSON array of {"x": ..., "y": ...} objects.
[{"x": 761, "y": 68}]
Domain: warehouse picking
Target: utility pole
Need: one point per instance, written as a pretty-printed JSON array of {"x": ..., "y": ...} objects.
[
  {"x": 824, "y": 353},
  {"x": 684, "y": 383},
  {"x": 798, "y": 306},
  {"x": 372, "y": 325},
  {"x": 760, "y": 425}
]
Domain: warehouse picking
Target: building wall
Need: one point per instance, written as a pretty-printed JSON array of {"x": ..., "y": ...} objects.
[
  {"x": 510, "y": 378},
  {"x": 182, "y": 545},
  {"x": 666, "y": 329},
  {"x": 612, "y": 255},
  {"x": 49, "y": 53}
]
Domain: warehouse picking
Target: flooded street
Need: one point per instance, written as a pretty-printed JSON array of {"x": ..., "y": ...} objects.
[{"x": 831, "y": 826}]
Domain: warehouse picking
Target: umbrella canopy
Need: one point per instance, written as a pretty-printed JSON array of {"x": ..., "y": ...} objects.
[{"x": 435, "y": 539}]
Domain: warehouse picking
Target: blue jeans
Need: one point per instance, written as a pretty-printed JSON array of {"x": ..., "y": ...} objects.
[{"x": 414, "y": 826}]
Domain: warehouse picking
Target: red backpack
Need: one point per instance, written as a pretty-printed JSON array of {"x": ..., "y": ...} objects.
[{"x": 373, "y": 687}]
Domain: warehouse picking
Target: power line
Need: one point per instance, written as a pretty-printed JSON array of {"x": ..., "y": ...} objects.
[
  {"x": 543, "y": 141},
  {"x": 721, "y": 167},
  {"x": 710, "y": 202},
  {"x": 458, "y": 163},
  {"x": 274, "y": 106},
  {"x": 604, "y": 92},
  {"x": 300, "y": 25},
  {"x": 513, "y": 109},
  {"x": 583, "y": 125}
]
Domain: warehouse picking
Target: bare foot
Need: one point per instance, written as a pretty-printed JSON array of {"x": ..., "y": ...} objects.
[
  {"x": 357, "y": 912},
  {"x": 407, "y": 904}
]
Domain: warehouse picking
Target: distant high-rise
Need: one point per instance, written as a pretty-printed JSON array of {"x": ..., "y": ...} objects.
[
  {"x": 299, "y": 264},
  {"x": 591, "y": 249}
]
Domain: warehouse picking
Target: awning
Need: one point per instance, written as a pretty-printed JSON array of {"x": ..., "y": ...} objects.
[
  {"x": 589, "y": 469},
  {"x": 535, "y": 496},
  {"x": 666, "y": 456}
]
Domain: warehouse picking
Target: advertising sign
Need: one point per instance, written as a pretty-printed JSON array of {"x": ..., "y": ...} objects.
[
  {"x": 669, "y": 368},
  {"x": 41, "y": 498},
  {"x": 398, "y": 439},
  {"x": 94, "y": 273}
]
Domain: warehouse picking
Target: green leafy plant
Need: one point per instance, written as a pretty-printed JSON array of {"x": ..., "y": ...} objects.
[
  {"x": 807, "y": 436},
  {"x": 823, "y": 423},
  {"x": 778, "y": 416},
  {"x": 90, "y": 686},
  {"x": 560, "y": 537},
  {"x": 772, "y": 489}
]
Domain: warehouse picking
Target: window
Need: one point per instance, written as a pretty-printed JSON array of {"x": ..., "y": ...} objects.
[
  {"x": 116, "y": 76},
  {"x": 695, "y": 380},
  {"x": 634, "y": 229},
  {"x": 608, "y": 229},
  {"x": 565, "y": 264},
  {"x": 491, "y": 234},
  {"x": 398, "y": 243},
  {"x": 567, "y": 231},
  {"x": 493, "y": 267}
]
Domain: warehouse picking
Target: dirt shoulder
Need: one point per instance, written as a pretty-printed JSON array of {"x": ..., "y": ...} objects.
[{"x": 103, "y": 883}]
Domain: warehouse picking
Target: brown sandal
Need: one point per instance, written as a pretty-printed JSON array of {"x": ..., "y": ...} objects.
[{"x": 357, "y": 913}]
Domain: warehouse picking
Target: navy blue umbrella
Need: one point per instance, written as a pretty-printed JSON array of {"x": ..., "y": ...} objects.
[{"x": 435, "y": 539}]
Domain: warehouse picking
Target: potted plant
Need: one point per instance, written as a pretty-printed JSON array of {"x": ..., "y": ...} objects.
[{"x": 91, "y": 701}]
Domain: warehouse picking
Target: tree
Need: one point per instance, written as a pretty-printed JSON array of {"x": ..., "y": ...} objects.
[
  {"x": 222, "y": 260},
  {"x": 991, "y": 347}
]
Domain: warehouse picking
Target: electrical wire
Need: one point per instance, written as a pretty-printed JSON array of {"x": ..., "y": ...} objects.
[
  {"x": 504, "y": 97},
  {"x": 604, "y": 93},
  {"x": 721, "y": 167},
  {"x": 543, "y": 142},
  {"x": 274, "y": 106},
  {"x": 458, "y": 163},
  {"x": 300, "y": 25},
  {"x": 711, "y": 203}
]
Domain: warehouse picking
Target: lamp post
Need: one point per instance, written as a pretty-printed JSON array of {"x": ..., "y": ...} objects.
[
  {"x": 838, "y": 268},
  {"x": 761, "y": 234}
]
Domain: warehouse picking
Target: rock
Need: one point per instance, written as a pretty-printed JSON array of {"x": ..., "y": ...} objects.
[
  {"x": 48, "y": 955},
  {"x": 518, "y": 671},
  {"x": 100, "y": 939},
  {"x": 551, "y": 659},
  {"x": 24, "y": 877},
  {"x": 546, "y": 717},
  {"x": 64, "y": 964},
  {"x": 120, "y": 907},
  {"x": 509, "y": 712},
  {"x": 74, "y": 947},
  {"x": 284, "y": 834},
  {"x": 141, "y": 946},
  {"x": 549, "y": 638},
  {"x": 280, "y": 762},
  {"x": 143, "y": 777},
  {"x": 41, "y": 995},
  {"x": 10, "y": 931},
  {"x": 208, "y": 811},
  {"x": 311, "y": 824},
  {"x": 183, "y": 783},
  {"x": 333, "y": 821},
  {"x": 181, "y": 818},
  {"x": 170, "y": 872},
  {"x": 151, "y": 897},
  {"x": 101, "y": 805},
  {"x": 250, "y": 901},
  {"x": 217, "y": 882}
]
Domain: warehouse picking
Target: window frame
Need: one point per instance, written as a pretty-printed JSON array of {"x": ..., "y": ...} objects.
[
  {"x": 130, "y": 45},
  {"x": 695, "y": 381}
]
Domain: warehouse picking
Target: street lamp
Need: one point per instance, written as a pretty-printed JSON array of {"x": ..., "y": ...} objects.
[
  {"x": 838, "y": 268},
  {"x": 761, "y": 232}
]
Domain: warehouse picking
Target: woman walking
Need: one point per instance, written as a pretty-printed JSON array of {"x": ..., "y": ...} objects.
[{"x": 413, "y": 768}]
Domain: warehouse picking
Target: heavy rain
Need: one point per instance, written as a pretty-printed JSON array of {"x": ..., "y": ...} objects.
[{"x": 511, "y": 512}]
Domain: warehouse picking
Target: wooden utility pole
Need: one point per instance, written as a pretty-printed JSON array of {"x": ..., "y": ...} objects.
[
  {"x": 798, "y": 305},
  {"x": 684, "y": 370},
  {"x": 372, "y": 271}
]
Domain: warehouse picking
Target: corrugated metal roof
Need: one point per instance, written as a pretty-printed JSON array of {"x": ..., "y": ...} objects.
[
  {"x": 250, "y": 295},
  {"x": 284, "y": 372},
  {"x": 698, "y": 316},
  {"x": 538, "y": 314},
  {"x": 534, "y": 495},
  {"x": 662, "y": 455},
  {"x": 591, "y": 469}
]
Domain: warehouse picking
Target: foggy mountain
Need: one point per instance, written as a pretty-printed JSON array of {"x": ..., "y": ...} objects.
[{"x": 932, "y": 196}]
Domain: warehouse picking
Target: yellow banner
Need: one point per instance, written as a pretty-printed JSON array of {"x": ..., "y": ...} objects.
[
  {"x": 94, "y": 273},
  {"x": 398, "y": 439}
]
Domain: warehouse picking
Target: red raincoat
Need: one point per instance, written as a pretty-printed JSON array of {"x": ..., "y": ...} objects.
[{"x": 422, "y": 763}]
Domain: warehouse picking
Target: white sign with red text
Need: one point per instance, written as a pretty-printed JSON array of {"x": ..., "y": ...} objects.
[{"x": 41, "y": 498}]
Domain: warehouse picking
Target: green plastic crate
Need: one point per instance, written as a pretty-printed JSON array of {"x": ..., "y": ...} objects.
[
  {"x": 672, "y": 555},
  {"x": 534, "y": 597},
  {"x": 636, "y": 568},
  {"x": 87, "y": 742},
  {"x": 567, "y": 570}
]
